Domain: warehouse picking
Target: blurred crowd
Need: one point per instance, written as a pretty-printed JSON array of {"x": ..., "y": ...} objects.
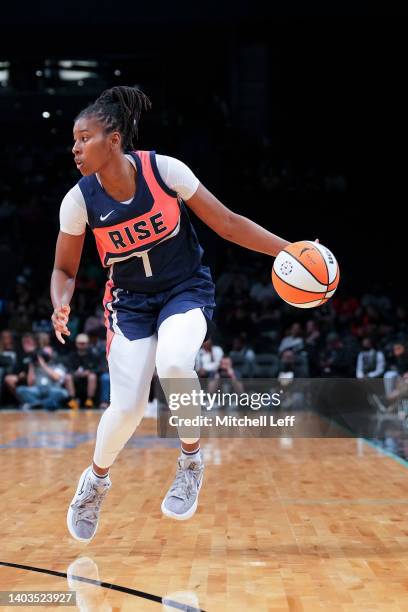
[
  {"x": 34, "y": 374},
  {"x": 254, "y": 335}
]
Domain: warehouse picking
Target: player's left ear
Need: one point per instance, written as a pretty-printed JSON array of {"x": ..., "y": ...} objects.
[{"x": 116, "y": 140}]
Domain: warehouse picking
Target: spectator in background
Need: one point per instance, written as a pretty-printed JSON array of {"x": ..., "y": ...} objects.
[
  {"x": 293, "y": 340},
  {"x": 43, "y": 339},
  {"x": 399, "y": 359},
  {"x": 95, "y": 323},
  {"x": 345, "y": 308},
  {"x": 41, "y": 318},
  {"x": 312, "y": 335},
  {"x": 291, "y": 366},
  {"x": 313, "y": 344},
  {"x": 396, "y": 397},
  {"x": 239, "y": 318},
  {"x": 401, "y": 320},
  {"x": 263, "y": 290},
  {"x": 297, "y": 363},
  {"x": 267, "y": 321},
  {"x": 242, "y": 356},
  {"x": 334, "y": 359},
  {"x": 232, "y": 280},
  {"x": 225, "y": 378},
  {"x": 97, "y": 344},
  {"x": 208, "y": 359},
  {"x": 370, "y": 361},
  {"x": 104, "y": 383},
  {"x": 23, "y": 295},
  {"x": 377, "y": 299},
  {"x": 20, "y": 371},
  {"x": 82, "y": 366},
  {"x": 397, "y": 367},
  {"x": 45, "y": 380},
  {"x": 98, "y": 347},
  {"x": 287, "y": 365},
  {"x": 8, "y": 356},
  {"x": 20, "y": 319},
  {"x": 8, "y": 353},
  {"x": 399, "y": 393},
  {"x": 240, "y": 347}
]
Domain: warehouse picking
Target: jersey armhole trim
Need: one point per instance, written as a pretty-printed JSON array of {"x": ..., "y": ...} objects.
[
  {"x": 81, "y": 184},
  {"x": 153, "y": 163},
  {"x": 86, "y": 187}
]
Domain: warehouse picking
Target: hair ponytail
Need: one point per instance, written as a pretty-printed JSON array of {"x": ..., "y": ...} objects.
[{"x": 119, "y": 109}]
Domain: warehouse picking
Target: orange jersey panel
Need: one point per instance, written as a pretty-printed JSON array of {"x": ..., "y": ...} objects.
[{"x": 144, "y": 231}]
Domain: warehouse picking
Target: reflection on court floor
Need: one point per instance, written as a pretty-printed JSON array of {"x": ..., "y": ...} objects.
[
  {"x": 93, "y": 594},
  {"x": 41, "y": 430}
]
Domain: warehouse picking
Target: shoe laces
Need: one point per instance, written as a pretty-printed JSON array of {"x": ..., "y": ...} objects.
[
  {"x": 89, "y": 505},
  {"x": 185, "y": 480}
]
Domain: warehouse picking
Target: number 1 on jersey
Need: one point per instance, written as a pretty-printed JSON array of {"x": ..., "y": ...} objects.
[{"x": 146, "y": 263}]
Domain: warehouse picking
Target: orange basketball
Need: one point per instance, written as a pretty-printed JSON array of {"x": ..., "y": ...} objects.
[{"x": 305, "y": 274}]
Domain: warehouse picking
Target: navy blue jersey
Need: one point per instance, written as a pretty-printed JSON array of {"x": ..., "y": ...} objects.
[{"x": 149, "y": 245}]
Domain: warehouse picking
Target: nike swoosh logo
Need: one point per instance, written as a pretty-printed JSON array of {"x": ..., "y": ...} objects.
[{"x": 106, "y": 216}]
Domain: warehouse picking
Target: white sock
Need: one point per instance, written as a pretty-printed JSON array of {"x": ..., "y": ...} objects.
[
  {"x": 99, "y": 479},
  {"x": 194, "y": 456}
]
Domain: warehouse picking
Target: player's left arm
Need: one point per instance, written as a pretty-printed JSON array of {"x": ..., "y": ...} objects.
[{"x": 233, "y": 227}]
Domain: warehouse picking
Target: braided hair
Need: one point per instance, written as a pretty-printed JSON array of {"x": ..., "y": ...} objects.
[{"x": 119, "y": 109}]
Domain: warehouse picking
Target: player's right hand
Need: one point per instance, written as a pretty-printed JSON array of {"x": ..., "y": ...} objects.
[{"x": 59, "y": 320}]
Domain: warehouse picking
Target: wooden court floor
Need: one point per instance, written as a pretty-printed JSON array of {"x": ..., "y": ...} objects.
[{"x": 284, "y": 525}]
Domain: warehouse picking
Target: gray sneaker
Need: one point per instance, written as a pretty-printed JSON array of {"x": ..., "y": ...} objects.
[
  {"x": 181, "y": 500},
  {"x": 83, "y": 511}
]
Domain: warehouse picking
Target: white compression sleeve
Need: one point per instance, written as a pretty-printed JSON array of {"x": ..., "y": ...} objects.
[
  {"x": 131, "y": 367},
  {"x": 177, "y": 176},
  {"x": 73, "y": 215},
  {"x": 179, "y": 340}
]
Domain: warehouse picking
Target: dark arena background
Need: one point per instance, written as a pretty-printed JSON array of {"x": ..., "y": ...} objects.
[{"x": 297, "y": 120}]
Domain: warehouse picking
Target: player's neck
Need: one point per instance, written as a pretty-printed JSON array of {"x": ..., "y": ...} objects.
[{"x": 118, "y": 178}]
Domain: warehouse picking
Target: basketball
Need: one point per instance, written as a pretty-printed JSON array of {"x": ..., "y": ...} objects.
[{"x": 305, "y": 274}]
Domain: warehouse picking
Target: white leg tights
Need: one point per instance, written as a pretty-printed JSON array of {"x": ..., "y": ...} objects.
[
  {"x": 180, "y": 338},
  {"x": 131, "y": 367}
]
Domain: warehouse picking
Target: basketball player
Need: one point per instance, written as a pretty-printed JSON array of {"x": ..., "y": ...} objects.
[{"x": 158, "y": 294}]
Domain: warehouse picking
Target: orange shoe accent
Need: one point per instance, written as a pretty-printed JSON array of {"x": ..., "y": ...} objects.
[
  {"x": 73, "y": 404},
  {"x": 89, "y": 403}
]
